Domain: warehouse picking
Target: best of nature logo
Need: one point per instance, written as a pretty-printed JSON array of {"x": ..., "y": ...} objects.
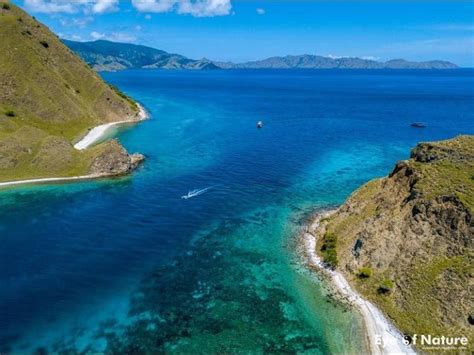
[
  {"x": 430, "y": 342},
  {"x": 436, "y": 342}
]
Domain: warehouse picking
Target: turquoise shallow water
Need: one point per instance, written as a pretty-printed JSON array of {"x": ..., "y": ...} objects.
[{"x": 127, "y": 265}]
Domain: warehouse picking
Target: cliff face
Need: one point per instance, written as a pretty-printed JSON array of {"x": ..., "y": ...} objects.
[
  {"x": 49, "y": 98},
  {"x": 406, "y": 241}
]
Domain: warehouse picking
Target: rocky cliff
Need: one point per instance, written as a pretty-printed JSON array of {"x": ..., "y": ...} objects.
[{"x": 406, "y": 241}]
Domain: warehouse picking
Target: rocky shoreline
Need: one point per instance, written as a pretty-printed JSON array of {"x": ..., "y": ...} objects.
[
  {"x": 382, "y": 336},
  {"x": 404, "y": 242}
]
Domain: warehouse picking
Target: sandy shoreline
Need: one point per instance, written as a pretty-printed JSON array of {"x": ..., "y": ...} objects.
[
  {"x": 383, "y": 337},
  {"x": 90, "y": 138},
  {"x": 98, "y": 132},
  {"x": 53, "y": 179}
]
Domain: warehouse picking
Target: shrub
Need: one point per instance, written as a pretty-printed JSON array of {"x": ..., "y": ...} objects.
[
  {"x": 10, "y": 113},
  {"x": 132, "y": 103},
  {"x": 365, "y": 273},
  {"x": 6, "y": 6},
  {"x": 328, "y": 250},
  {"x": 385, "y": 286},
  {"x": 330, "y": 258},
  {"x": 44, "y": 44}
]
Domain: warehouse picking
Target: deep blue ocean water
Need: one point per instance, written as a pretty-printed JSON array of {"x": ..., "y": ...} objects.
[{"x": 127, "y": 265}]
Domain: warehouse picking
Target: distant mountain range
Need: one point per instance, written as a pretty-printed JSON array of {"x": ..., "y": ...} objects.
[
  {"x": 307, "y": 61},
  {"x": 111, "y": 56}
]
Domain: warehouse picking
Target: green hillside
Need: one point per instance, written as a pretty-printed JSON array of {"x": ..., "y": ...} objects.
[{"x": 49, "y": 98}]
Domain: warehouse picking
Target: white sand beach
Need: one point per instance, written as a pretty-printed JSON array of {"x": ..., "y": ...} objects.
[
  {"x": 45, "y": 180},
  {"x": 383, "y": 337},
  {"x": 96, "y": 133},
  {"x": 92, "y": 137}
]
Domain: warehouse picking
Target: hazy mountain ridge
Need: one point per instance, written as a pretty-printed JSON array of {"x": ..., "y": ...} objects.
[
  {"x": 307, "y": 61},
  {"x": 111, "y": 56}
]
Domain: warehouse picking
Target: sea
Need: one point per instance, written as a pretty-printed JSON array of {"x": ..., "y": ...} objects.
[{"x": 128, "y": 265}]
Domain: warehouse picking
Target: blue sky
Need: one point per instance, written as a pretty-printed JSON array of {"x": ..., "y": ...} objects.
[{"x": 247, "y": 30}]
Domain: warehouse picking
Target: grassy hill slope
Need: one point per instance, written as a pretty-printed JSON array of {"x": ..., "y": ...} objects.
[
  {"x": 406, "y": 242},
  {"x": 49, "y": 98}
]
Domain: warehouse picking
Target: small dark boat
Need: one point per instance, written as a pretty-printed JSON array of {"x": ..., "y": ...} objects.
[
  {"x": 259, "y": 124},
  {"x": 418, "y": 125}
]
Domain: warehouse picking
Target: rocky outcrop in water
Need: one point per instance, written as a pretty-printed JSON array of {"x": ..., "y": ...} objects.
[{"x": 114, "y": 160}]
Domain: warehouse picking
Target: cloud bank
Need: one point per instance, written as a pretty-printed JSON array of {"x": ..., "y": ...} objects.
[
  {"x": 115, "y": 37},
  {"x": 66, "y": 6},
  {"x": 196, "y": 8}
]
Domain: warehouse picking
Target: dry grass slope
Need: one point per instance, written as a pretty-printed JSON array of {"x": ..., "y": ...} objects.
[{"x": 49, "y": 98}]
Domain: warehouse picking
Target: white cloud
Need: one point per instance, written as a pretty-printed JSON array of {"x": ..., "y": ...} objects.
[
  {"x": 205, "y": 8},
  {"x": 67, "y": 6},
  {"x": 115, "y": 37},
  {"x": 261, "y": 11},
  {"x": 365, "y": 57},
  {"x": 102, "y": 6},
  {"x": 49, "y": 6},
  {"x": 196, "y": 8},
  {"x": 76, "y": 38},
  {"x": 97, "y": 35},
  {"x": 71, "y": 37},
  {"x": 154, "y": 5},
  {"x": 332, "y": 56},
  {"x": 369, "y": 57},
  {"x": 80, "y": 22}
]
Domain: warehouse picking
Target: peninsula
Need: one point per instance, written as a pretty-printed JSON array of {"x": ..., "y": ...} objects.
[
  {"x": 50, "y": 102},
  {"x": 405, "y": 243}
]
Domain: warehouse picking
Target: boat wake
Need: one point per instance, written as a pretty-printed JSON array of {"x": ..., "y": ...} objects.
[{"x": 194, "y": 193}]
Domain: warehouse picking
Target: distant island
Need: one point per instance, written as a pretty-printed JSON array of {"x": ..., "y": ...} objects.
[
  {"x": 112, "y": 56},
  {"x": 307, "y": 61},
  {"x": 104, "y": 55}
]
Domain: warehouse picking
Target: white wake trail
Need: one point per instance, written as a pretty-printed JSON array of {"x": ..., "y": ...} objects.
[{"x": 196, "y": 192}]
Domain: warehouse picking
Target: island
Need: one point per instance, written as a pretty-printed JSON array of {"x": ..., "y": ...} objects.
[
  {"x": 50, "y": 101},
  {"x": 405, "y": 243},
  {"x": 104, "y": 55}
]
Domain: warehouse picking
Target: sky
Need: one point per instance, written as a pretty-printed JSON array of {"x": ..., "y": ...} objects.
[{"x": 243, "y": 30}]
